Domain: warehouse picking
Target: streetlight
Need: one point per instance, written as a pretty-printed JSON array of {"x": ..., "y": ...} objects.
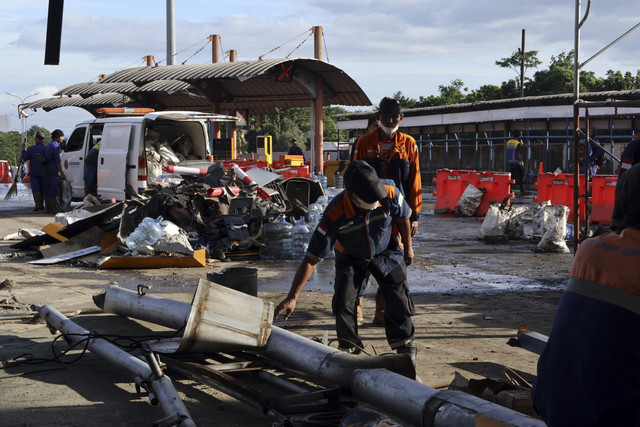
[{"x": 21, "y": 115}]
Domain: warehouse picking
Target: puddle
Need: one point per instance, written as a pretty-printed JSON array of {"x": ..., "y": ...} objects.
[{"x": 446, "y": 278}]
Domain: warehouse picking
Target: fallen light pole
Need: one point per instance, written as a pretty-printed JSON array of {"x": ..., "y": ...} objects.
[
  {"x": 150, "y": 378},
  {"x": 370, "y": 379},
  {"x": 283, "y": 346},
  {"x": 422, "y": 405}
]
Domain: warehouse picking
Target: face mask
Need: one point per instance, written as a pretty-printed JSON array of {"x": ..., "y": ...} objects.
[
  {"x": 362, "y": 204},
  {"x": 389, "y": 131}
]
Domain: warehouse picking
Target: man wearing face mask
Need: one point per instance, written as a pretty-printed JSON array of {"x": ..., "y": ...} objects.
[
  {"x": 394, "y": 155},
  {"x": 357, "y": 223}
]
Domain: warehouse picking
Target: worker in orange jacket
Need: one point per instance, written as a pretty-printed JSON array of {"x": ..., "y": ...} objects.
[{"x": 394, "y": 155}]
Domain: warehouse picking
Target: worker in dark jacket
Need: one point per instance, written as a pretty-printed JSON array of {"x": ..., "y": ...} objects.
[
  {"x": 394, "y": 155},
  {"x": 35, "y": 155},
  {"x": 357, "y": 223},
  {"x": 589, "y": 371},
  {"x": 53, "y": 171}
]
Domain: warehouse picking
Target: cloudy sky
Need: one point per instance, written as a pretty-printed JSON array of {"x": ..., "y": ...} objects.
[{"x": 386, "y": 46}]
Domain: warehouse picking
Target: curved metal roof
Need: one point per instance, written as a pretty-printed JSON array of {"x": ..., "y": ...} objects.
[
  {"x": 527, "y": 101},
  {"x": 90, "y": 103},
  {"x": 244, "y": 84}
]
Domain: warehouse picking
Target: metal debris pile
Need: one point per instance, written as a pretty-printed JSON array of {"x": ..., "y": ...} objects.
[{"x": 219, "y": 211}]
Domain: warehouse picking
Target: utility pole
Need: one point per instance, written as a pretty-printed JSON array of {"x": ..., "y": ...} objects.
[
  {"x": 522, "y": 58},
  {"x": 171, "y": 32}
]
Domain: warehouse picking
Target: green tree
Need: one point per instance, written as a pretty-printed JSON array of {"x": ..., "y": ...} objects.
[
  {"x": 514, "y": 62},
  {"x": 557, "y": 79}
]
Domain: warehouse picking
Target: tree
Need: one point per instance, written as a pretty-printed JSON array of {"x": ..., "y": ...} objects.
[
  {"x": 514, "y": 62},
  {"x": 557, "y": 79}
]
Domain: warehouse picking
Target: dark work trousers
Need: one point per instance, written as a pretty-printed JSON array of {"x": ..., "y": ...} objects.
[
  {"x": 395, "y": 289},
  {"x": 517, "y": 173}
]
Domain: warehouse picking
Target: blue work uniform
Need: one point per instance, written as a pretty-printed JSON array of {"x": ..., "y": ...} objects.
[
  {"x": 365, "y": 242},
  {"x": 36, "y": 169},
  {"x": 52, "y": 156}
]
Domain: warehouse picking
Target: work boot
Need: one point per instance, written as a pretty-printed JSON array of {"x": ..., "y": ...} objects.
[
  {"x": 359, "y": 315},
  {"x": 52, "y": 204},
  {"x": 38, "y": 199},
  {"x": 378, "y": 319},
  {"x": 409, "y": 349}
]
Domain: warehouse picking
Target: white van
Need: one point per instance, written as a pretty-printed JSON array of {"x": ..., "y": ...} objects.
[{"x": 133, "y": 149}]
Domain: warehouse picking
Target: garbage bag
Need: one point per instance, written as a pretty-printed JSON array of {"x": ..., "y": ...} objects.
[
  {"x": 469, "y": 201},
  {"x": 64, "y": 195},
  {"x": 553, "y": 221},
  {"x": 495, "y": 223}
]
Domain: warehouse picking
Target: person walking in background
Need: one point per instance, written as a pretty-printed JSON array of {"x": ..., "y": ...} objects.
[
  {"x": 294, "y": 150},
  {"x": 589, "y": 371},
  {"x": 35, "y": 155},
  {"x": 53, "y": 171},
  {"x": 515, "y": 160},
  {"x": 358, "y": 224},
  {"x": 394, "y": 155}
]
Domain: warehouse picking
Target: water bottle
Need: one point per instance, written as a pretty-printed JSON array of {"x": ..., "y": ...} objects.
[
  {"x": 146, "y": 233},
  {"x": 285, "y": 238},
  {"x": 271, "y": 247},
  {"x": 569, "y": 235},
  {"x": 301, "y": 235},
  {"x": 338, "y": 180},
  {"x": 323, "y": 179},
  {"x": 314, "y": 213}
]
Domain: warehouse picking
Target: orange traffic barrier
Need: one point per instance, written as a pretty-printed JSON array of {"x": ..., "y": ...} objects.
[
  {"x": 497, "y": 186},
  {"x": 603, "y": 196},
  {"x": 558, "y": 189},
  {"x": 450, "y": 184},
  {"x": 5, "y": 176}
]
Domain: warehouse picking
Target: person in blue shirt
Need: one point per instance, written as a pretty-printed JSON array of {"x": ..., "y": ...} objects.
[
  {"x": 34, "y": 155},
  {"x": 294, "y": 150},
  {"x": 53, "y": 171},
  {"x": 358, "y": 224}
]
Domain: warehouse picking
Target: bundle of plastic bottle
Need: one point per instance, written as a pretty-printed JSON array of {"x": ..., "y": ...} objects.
[
  {"x": 277, "y": 239},
  {"x": 146, "y": 233},
  {"x": 322, "y": 179},
  {"x": 301, "y": 233}
]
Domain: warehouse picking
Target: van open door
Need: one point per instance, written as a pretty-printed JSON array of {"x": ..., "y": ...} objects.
[{"x": 114, "y": 162}]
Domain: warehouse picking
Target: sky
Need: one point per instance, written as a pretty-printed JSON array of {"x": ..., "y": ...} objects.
[{"x": 386, "y": 46}]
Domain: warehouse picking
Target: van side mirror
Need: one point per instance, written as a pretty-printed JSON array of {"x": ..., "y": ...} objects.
[{"x": 63, "y": 145}]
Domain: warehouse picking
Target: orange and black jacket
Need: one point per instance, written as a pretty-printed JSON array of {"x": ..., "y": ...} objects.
[
  {"x": 403, "y": 167},
  {"x": 361, "y": 237},
  {"x": 589, "y": 371}
]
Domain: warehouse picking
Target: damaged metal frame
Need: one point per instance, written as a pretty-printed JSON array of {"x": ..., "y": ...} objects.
[
  {"x": 148, "y": 375},
  {"x": 386, "y": 382}
]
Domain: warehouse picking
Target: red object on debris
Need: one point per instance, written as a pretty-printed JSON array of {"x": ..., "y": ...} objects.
[
  {"x": 219, "y": 191},
  {"x": 183, "y": 170}
]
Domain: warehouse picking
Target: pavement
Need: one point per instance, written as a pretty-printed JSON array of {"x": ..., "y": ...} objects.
[{"x": 470, "y": 299}]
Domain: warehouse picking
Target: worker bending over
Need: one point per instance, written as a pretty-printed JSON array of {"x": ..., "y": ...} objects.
[{"x": 357, "y": 223}]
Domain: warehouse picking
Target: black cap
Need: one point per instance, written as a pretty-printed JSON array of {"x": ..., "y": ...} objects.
[
  {"x": 628, "y": 195},
  {"x": 39, "y": 136},
  {"x": 389, "y": 106},
  {"x": 361, "y": 179},
  {"x": 56, "y": 134}
]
